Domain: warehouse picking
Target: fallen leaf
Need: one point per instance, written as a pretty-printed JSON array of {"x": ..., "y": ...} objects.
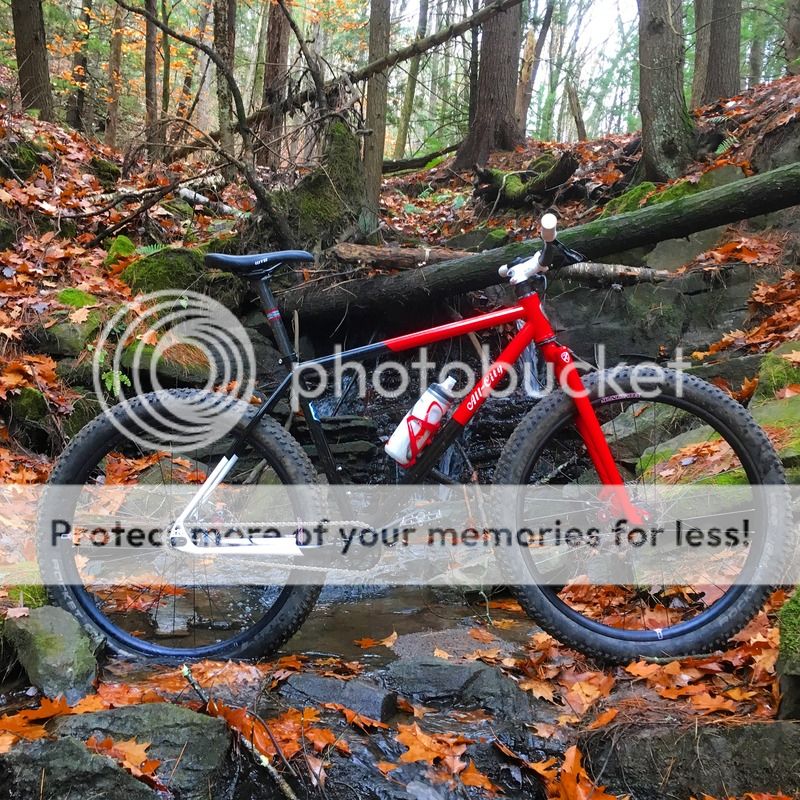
[
  {"x": 17, "y": 612},
  {"x": 386, "y": 767},
  {"x": 367, "y": 643},
  {"x": 439, "y": 653},
  {"x": 601, "y": 720},
  {"x": 471, "y": 776},
  {"x": 482, "y": 635}
]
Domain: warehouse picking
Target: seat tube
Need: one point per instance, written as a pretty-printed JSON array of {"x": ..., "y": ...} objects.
[{"x": 275, "y": 320}]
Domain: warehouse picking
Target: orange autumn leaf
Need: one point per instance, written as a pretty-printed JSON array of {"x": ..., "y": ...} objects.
[
  {"x": 354, "y": 718},
  {"x": 471, "y": 776},
  {"x": 386, "y": 766},
  {"x": 431, "y": 747},
  {"x": 366, "y": 643},
  {"x": 482, "y": 635},
  {"x": 601, "y": 720},
  {"x": 538, "y": 688}
]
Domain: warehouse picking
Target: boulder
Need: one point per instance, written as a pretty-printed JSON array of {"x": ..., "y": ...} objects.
[
  {"x": 778, "y": 147},
  {"x": 107, "y": 172},
  {"x": 669, "y": 761},
  {"x": 56, "y": 769},
  {"x": 788, "y": 666},
  {"x": 8, "y": 234},
  {"x": 192, "y": 748},
  {"x": 367, "y": 699},
  {"x": 55, "y": 652},
  {"x": 179, "y": 268},
  {"x": 776, "y": 373}
]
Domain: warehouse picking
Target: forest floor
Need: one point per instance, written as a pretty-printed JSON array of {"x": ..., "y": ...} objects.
[{"x": 60, "y": 191}]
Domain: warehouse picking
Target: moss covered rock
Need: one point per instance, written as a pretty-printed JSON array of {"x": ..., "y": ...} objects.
[
  {"x": 76, "y": 298},
  {"x": 179, "y": 370},
  {"x": 56, "y": 654},
  {"x": 7, "y": 234},
  {"x": 630, "y": 200},
  {"x": 84, "y": 410},
  {"x": 29, "y": 405},
  {"x": 21, "y": 160},
  {"x": 323, "y": 204},
  {"x": 121, "y": 247},
  {"x": 107, "y": 172},
  {"x": 67, "y": 338},
  {"x": 776, "y": 373},
  {"x": 183, "y": 268}
]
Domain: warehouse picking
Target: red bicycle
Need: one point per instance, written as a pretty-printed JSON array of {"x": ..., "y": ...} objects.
[{"x": 596, "y": 428}]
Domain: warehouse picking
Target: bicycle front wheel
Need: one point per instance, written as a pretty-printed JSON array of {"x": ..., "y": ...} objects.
[{"x": 687, "y": 434}]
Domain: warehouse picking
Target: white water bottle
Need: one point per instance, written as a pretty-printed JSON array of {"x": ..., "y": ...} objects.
[{"x": 418, "y": 426}]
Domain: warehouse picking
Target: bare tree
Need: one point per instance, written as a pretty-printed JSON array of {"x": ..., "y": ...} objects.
[
  {"x": 30, "y": 45},
  {"x": 80, "y": 76},
  {"x": 152, "y": 128},
  {"x": 791, "y": 41},
  {"x": 666, "y": 127},
  {"x": 531, "y": 58},
  {"x": 411, "y": 85},
  {"x": 576, "y": 110},
  {"x": 379, "y": 31},
  {"x": 719, "y": 34},
  {"x": 114, "y": 76},
  {"x": 225, "y": 44},
  {"x": 495, "y": 126},
  {"x": 275, "y": 81}
]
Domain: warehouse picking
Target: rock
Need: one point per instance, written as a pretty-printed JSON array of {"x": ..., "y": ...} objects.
[
  {"x": 183, "y": 268},
  {"x": 479, "y": 239},
  {"x": 29, "y": 406},
  {"x": 54, "y": 769},
  {"x": 54, "y": 651},
  {"x": 8, "y": 234},
  {"x": 495, "y": 692},
  {"x": 192, "y": 748},
  {"x": 20, "y": 160},
  {"x": 368, "y": 699},
  {"x": 668, "y": 761},
  {"x": 735, "y": 370},
  {"x": 778, "y": 148},
  {"x": 69, "y": 338},
  {"x": 75, "y": 371},
  {"x": 107, "y": 172},
  {"x": 84, "y": 410},
  {"x": 120, "y": 247},
  {"x": 776, "y": 373},
  {"x": 674, "y": 253},
  {"x": 140, "y": 357},
  {"x": 788, "y": 666}
]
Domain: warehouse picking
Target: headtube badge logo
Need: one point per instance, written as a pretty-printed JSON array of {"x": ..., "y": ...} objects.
[{"x": 174, "y": 333}]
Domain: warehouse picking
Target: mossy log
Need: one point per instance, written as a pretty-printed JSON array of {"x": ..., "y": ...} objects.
[
  {"x": 539, "y": 182},
  {"x": 760, "y": 194}
]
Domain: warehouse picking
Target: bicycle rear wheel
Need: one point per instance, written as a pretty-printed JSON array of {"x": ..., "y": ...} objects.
[
  {"x": 690, "y": 434},
  {"x": 149, "y": 612}
]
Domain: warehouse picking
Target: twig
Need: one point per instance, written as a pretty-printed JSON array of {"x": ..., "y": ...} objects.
[{"x": 262, "y": 759}]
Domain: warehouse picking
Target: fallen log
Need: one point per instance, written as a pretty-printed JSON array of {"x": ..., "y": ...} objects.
[
  {"x": 393, "y": 257},
  {"x": 397, "y": 258},
  {"x": 540, "y": 181},
  {"x": 417, "y": 162},
  {"x": 749, "y": 197}
]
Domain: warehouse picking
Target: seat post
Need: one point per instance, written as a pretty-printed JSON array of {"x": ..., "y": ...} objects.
[{"x": 275, "y": 319}]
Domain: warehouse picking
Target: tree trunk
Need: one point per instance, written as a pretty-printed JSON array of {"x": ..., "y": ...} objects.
[
  {"x": 257, "y": 87},
  {"x": 166, "y": 62},
  {"x": 275, "y": 80},
  {"x": 224, "y": 44},
  {"x": 77, "y": 100},
  {"x": 417, "y": 162},
  {"x": 722, "y": 74},
  {"x": 531, "y": 58},
  {"x": 666, "y": 127},
  {"x": 114, "y": 76},
  {"x": 495, "y": 126},
  {"x": 576, "y": 111},
  {"x": 151, "y": 84},
  {"x": 30, "y": 44},
  {"x": 555, "y": 74},
  {"x": 791, "y": 41},
  {"x": 379, "y": 30},
  {"x": 474, "y": 65},
  {"x": 184, "y": 110},
  {"x": 703, "y": 10},
  {"x": 761, "y": 194},
  {"x": 411, "y": 85},
  {"x": 755, "y": 61}
]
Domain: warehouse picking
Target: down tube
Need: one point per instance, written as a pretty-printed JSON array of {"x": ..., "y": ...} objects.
[{"x": 496, "y": 372}]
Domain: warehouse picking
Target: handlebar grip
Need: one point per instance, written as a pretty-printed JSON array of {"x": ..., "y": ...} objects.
[
  {"x": 503, "y": 271},
  {"x": 549, "y": 227}
]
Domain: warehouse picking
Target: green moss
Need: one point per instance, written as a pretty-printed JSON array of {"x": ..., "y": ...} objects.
[
  {"x": 180, "y": 208},
  {"x": 434, "y": 162},
  {"x": 29, "y": 405},
  {"x": 171, "y": 268},
  {"x": 789, "y": 624},
  {"x": 514, "y": 188},
  {"x": 7, "y": 234},
  {"x": 67, "y": 338},
  {"x": 543, "y": 164},
  {"x": 628, "y": 201},
  {"x": 121, "y": 247},
  {"x": 676, "y": 191},
  {"x": 107, "y": 172},
  {"x": 776, "y": 373},
  {"x": 496, "y": 237},
  {"x": 76, "y": 298},
  {"x": 21, "y": 160},
  {"x": 84, "y": 410}
]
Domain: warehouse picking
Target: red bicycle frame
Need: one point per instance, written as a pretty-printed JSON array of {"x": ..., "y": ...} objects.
[{"x": 536, "y": 329}]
